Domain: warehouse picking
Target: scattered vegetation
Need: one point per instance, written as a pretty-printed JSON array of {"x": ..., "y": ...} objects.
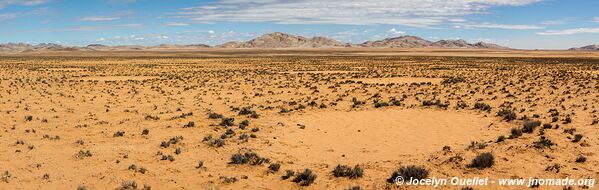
[
  {"x": 409, "y": 173},
  {"x": 484, "y": 160},
  {"x": 305, "y": 178},
  {"x": 248, "y": 157},
  {"x": 347, "y": 171}
]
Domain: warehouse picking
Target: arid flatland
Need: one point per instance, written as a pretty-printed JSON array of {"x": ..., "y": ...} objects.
[{"x": 222, "y": 120}]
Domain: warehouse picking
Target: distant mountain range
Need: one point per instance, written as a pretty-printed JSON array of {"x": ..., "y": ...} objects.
[
  {"x": 586, "y": 48},
  {"x": 282, "y": 40},
  {"x": 275, "y": 40}
]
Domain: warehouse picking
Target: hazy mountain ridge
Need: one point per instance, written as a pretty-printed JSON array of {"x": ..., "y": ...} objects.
[
  {"x": 417, "y": 42},
  {"x": 266, "y": 41},
  {"x": 282, "y": 40},
  {"x": 586, "y": 48}
]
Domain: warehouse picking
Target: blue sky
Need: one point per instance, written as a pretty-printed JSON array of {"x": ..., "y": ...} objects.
[{"x": 526, "y": 24}]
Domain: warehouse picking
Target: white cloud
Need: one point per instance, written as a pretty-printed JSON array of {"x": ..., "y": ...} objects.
[
  {"x": 4, "y": 3},
  {"x": 96, "y": 28},
  {"x": 596, "y": 19},
  {"x": 396, "y": 32},
  {"x": 99, "y": 18},
  {"x": 570, "y": 31},
  {"x": 498, "y": 26},
  {"x": 14, "y": 15},
  {"x": 557, "y": 22},
  {"x": 115, "y": 16},
  {"x": 8, "y": 16},
  {"x": 417, "y": 13},
  {"x": 184, "y": 37},
  {"x": 177, "y": 24}
]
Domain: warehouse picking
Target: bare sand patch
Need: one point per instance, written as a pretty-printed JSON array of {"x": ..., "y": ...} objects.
[
  {"x": 399, "y": 80},
  {"x": 378, "y": 135},
  {"x": 116, "y": 78}
]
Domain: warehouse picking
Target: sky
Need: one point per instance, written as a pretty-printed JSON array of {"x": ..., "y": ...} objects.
[{"x": 524, "y": 24}]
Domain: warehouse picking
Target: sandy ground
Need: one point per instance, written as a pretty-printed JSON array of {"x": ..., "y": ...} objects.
[{"x": 105, "y": 121}]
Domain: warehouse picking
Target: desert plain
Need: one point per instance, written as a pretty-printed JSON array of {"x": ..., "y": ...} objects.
[{"x": 305, "y": 119}]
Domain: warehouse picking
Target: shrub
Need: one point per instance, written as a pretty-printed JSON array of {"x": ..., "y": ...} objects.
[
  {"x": 429, "y": 102},
  {"x": 529, "y": 126},
  {"x": 83, "y": 153},
  {"x": 247, "y": 158},
  {"x": 555, "y": 168},
  {"x": 547, "y": 126},
  {"x": 356, "y": 102},
  {"x": 213, "y": 115},
  {"x": 482, "y": 106},
  {"x": 228, "y": 179},
  {"x": 446, "y": 148},
  {"x": 189, "y": 124},
  {"x": 227, "y": 121},
  {"x": 216, "y": 142},
  {"x": 119, "y": 134},
  {"x": 357, "y": 172},
  {"x": 378, "y": 104},
  {"x": 145, "y": 132},
  {"x": 477, "y": 145},
  {"x": 554, "y": 119},
  {"x": 305, "y": 178},
  {"x": 581, "y": 159},
  {"x": 244, "y": 137},
  {"x": 322, "y": 106},
  {"x": 128, "y": 185},
  {"x": 347, "y": 171},
  {"x": 461, "y": 105},
  {"x": 6, "y": 176},
  {"x": 246, "y": 111},
  {"x": 543, "y": 142},
  {"x": 341, "y": 171},
  {"x": 228, "y": 133},
  {"x": 200, "y": 164},
  {"x": 515, "y": 133},
  {"x": 274, "y": 167},
  {"x": 483, "y": 160},
  {"x": 355, "y": 188},
  {"x": 288, "y": 174},
  {"x": 501, "y": 138},
  {"x": 577, "y": 138},
  {"x": 453, "y": 80},
  {"x": 570, "y": 131},
  {"x": 408, "y": 173},
  {"x": 567, "y": 120},
  {"x": 167, "y": 157},
  {"x": 244, "y": 124},
  {"x": 149, "y": 117},
  {"x": 172, "y": 140},
  {"x": 507, "y": 113}
]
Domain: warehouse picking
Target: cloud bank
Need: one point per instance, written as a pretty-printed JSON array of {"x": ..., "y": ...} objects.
[{"x": 415, "y": 13}]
